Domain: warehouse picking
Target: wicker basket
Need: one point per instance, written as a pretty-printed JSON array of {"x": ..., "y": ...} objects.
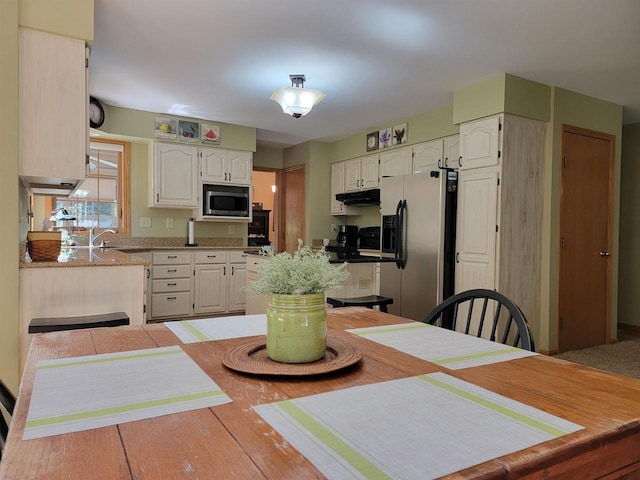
[{"x": 43, "y": 246}]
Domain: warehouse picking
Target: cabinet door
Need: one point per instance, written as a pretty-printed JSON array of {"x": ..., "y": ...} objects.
[
  {"x": 451, "y": 151},
  {"x": 337, "y": 186},
  {"x": 427, "y": 156},
  {"x": 239, "y": 169},
  {"x": 237, "y": 281},
  {"x": 213, "y": 165},
  {"x": 352, "y": 175},
  {"x": 255, "y": 303},
  {"x": 397, "y": 162},
  {"x": 476, "y": 227},
  {"x": 175, "y": 176},
  {"x": 53, "y": 100},
  {"x": 210, "y": 289},
  {"x": 480, "y": 143},
  {"x": 369, "y": 171}
]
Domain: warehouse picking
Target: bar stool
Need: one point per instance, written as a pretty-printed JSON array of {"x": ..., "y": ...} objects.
[
  {"x": 368, "y": 301},
  {"x": 55, "y": 324}
]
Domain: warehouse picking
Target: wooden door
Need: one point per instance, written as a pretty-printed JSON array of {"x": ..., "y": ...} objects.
[
  {"x": 586, "y": 205},
  {"x": 293, "y": 216}
]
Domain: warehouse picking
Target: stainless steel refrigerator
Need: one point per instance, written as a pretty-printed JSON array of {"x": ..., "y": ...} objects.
[{"x": 418, "y": 231}]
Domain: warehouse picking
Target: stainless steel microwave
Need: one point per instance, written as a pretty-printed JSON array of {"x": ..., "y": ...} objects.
[{"x": 225, "y": 201}]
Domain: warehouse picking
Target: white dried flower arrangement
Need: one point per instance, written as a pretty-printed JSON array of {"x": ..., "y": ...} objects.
[{"x": 300, "y": 273}]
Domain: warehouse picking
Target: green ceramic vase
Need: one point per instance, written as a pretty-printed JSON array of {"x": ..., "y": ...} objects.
[{"x": 296, "y": 328}]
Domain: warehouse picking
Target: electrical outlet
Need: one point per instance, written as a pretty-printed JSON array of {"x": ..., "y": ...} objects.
[
  {"x": 232, "y": 229},
  {"x": 169, "y": 222},
  {"x": 334, "y": 228},
  {"x": 145, "y": 222}
]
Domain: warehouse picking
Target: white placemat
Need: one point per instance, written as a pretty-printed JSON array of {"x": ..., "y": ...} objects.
[
  {"x": 452, "y": 350},
  {"x": 80, "y": 393},
  {"x": 219, "y": 328},
  {"x": 413, "y": 428}
]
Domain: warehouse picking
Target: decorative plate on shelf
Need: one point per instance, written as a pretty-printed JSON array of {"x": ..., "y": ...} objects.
[{"x": 251, "y": 357}]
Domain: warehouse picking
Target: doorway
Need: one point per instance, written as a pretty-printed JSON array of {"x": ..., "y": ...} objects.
[
  {"x": 263, "y": 229},
  {"x": 586, "y": 231}
]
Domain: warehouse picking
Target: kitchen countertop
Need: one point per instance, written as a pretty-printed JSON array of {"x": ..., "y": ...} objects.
[
  {"x": 366, "y": 256},
  {"x": 86, "y": 257}
]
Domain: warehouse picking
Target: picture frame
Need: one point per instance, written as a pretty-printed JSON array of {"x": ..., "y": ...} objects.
[
  {"x": 399, "y": 134},
  {"x": 188, "y": 131},
  {"x": 372, "y": 141},
  {"x": 385, "y": 137},
  {"x": 209, "y": 133},
  {"x": 166, "y": 128}
]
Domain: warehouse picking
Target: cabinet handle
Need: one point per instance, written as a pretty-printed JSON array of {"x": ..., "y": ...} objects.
[
  {"x": 157, "y": 197},
  {"x": 148, "y": 273},
  {"x": 233, "y": 271},
  {"x": 460, "y": 161},
  {"x": 172, "y": 271},
  {"x": 172, "y": 256},
  {"x": 362, "y": 182},
  {"x": 358, "y": 183},
  {"x": 171, "y": 298},
  {"x": 171, "y": 284},
  {"x": 225, "y": 176},
  {"x": 224, "y": 270},
  {"x": 211, "y": 256},
  {"x": 457, "y": 257},
  {"x": 229, "y": 176}
]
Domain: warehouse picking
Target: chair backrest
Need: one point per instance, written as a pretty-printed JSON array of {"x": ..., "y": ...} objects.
[
  {"x": 485, "y": 313},
  {"x": 8, "y": 401}
]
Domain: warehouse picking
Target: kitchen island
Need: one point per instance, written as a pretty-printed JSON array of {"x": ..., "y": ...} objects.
[{"x": 83, "y": 281}]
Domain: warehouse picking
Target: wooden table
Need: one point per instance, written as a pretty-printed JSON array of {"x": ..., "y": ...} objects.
[{"x": 232, "y": 441}]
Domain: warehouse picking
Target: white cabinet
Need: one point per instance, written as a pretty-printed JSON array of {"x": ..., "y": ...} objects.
[
  {"x": 219, "y": 281},
  {"x": 499, "y": 221},
  {"x": 231, "y": 167},
  {"x": 53, "y": 101},
  {"x": 254, "y": 303},
  {"x": 173, "y": 176},
  {"x": 451, "y": 151},
  {"x": 170, "y": 284},
  {"x": 480, "y": 143},
  {"x": 362, "y": 281},
  {"x": 396, "y": 162},
  {"x": 237, "y": 281},
  {"x": 361, "y": 173},
  {"x": 337, "y": 186},
  {"x": 438, "y": 153}
]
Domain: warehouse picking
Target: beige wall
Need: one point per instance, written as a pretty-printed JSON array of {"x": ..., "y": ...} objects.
[{"x": 629, "y": 263}]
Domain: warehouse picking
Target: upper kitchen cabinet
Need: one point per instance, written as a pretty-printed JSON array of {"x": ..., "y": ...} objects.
[
  {"x": 361, "y": 173},
  {"x": 438, "y": 153},
  {"x": 337, "y": 186},
  {"x": 397, "y": 162},
  {"x": 230, "y": 167},
  {"x": 480, "y": 143},
  {"x": 173, "y": 176},
  {"x": 53, "y": 102}
]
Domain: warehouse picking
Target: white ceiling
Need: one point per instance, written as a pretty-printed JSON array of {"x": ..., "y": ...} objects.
[{"x": 377, "y": 61}]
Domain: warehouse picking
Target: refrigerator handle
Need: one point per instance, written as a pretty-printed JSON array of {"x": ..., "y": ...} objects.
[{"x": 401, "y": 260}]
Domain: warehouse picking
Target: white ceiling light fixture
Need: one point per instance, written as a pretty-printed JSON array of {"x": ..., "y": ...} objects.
[{"x": 297, "y": 100}]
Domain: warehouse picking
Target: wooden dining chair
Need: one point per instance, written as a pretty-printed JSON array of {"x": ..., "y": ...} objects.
[
  {"x": 8, "y": 402},
  {"x": 485, "y": 313}
]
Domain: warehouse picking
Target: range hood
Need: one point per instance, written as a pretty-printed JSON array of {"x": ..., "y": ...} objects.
[{"x": 360, "y": 198}]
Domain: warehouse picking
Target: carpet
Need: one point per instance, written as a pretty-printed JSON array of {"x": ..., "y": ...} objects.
[{"x": 622, "y": 358}]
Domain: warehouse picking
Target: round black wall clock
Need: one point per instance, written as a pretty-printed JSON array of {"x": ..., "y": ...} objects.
[{"x": 96, "y": 113}]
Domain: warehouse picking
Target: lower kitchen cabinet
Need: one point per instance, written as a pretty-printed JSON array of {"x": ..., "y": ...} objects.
[
  {"x": 186, "y": 284},
  {"x": 254, "y": 303}
]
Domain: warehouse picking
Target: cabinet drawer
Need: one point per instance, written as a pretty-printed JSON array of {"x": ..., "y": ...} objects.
[
  {"x": 170, "y": 304},
  {"x": 211, "y": 257},
  {"x": 237, "y": 257},
  {"x": 253, "y": 261},
  {"x": 171, "y": 271},
  {"x": 169, "y": 285},
  {"x": 171, "y": 258}
]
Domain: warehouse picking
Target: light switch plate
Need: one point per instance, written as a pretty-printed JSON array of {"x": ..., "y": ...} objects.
[
  {"x": 145, "y": 222},
  {"x": 169, "y": 222}
]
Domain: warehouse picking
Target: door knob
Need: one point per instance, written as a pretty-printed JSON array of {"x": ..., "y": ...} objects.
[{"x": 604, "y": 253}]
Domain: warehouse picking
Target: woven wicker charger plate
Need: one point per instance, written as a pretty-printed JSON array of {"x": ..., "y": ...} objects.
[{"x": 251, "y": 357}]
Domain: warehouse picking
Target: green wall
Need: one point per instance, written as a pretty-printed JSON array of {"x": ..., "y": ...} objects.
[
  {"x": 570, "y": 108},
  {"x": 629, "y": 264}
]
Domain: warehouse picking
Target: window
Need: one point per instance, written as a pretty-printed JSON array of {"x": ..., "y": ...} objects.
[{"x": 102, "y": 199}]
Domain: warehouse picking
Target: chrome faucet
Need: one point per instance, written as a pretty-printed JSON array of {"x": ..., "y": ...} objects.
[{"x": 93, "y": 237}]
